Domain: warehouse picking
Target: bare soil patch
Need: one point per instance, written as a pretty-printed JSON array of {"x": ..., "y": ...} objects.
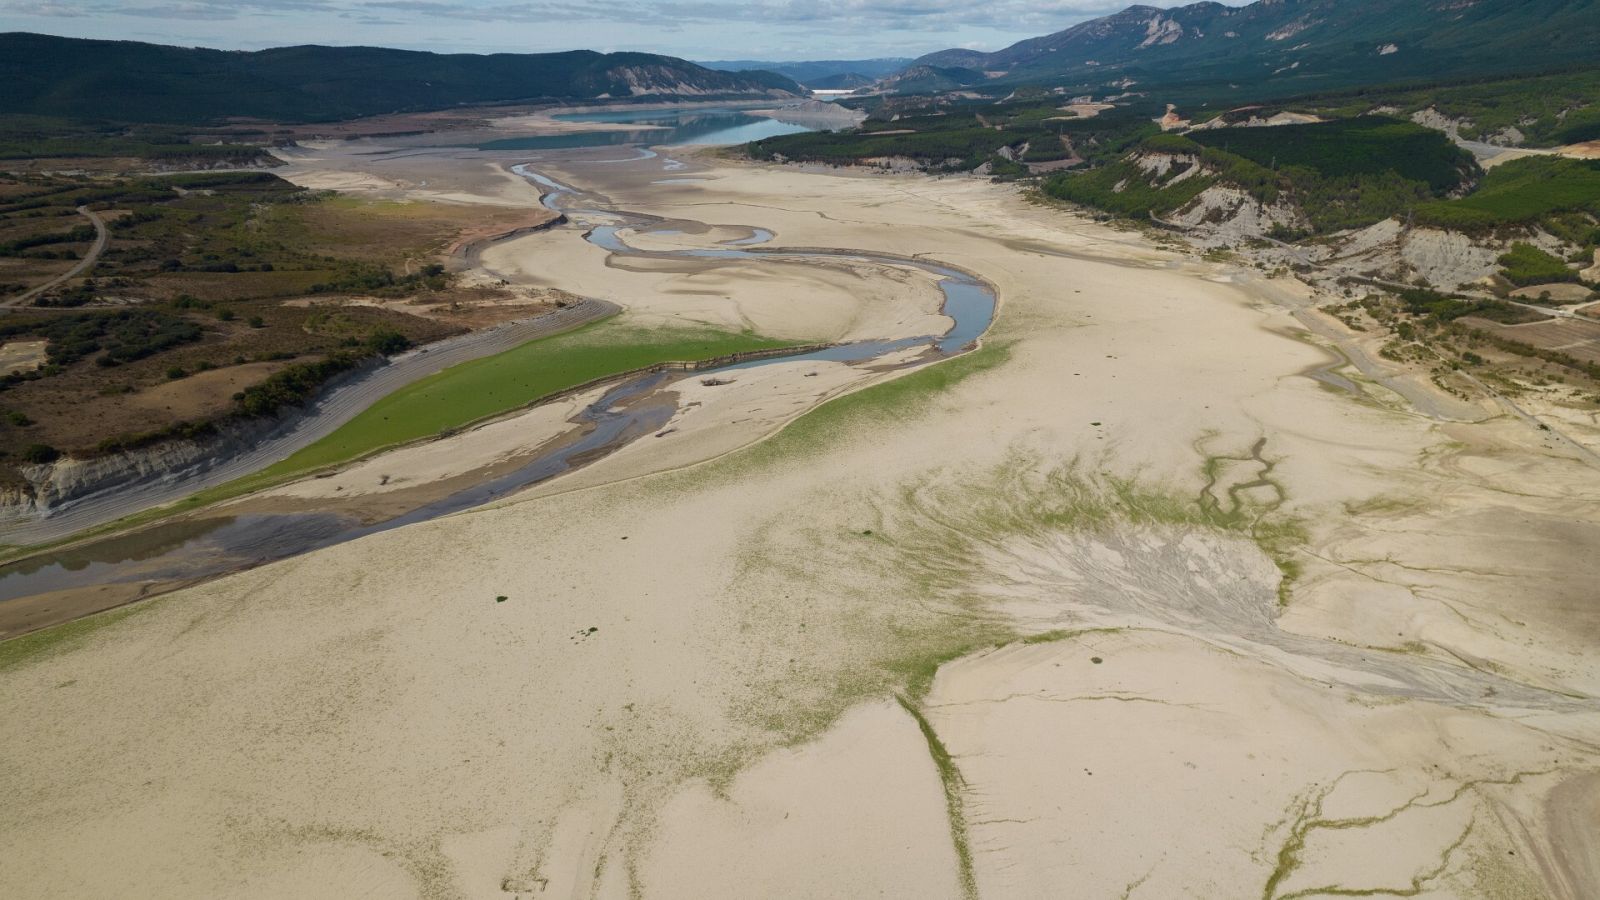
[
  {"x": 202, "y": 394},
  {"x": 1562, "y": 293},
  {"x": 1575, "y": 337},
  {"x": 22, "y": 356}
]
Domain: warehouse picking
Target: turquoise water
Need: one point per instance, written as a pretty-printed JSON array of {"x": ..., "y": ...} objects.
[{"x": 677, "y": 127}]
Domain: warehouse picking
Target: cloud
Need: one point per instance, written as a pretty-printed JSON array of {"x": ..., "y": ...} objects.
[
  {"x": 193, "y": 12},
  {"x": 183, "y": 10},
  {"x": 45, "y": 10},
  {"x": 776, "y": 29},
  {"x": 898, "y": 15}
]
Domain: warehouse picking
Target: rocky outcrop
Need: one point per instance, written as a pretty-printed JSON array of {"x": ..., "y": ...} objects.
[
  {"x": 1224, "y": 214},
  {"x": 673, "y": 80},
  {"x": 1448, "y": 260},
  {"x": 1438, "y": 121},
  {"x": 815, "y": 114},
  {"x": 1161, "y": 165},
  {"x": 49, "y": 486},
  {"x": 1509, "y": 136},
  {"x": 1592, "y": 274},
  {"x": 1256, "y": 121}
]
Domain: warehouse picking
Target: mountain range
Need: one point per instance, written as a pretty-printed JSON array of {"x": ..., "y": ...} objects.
[
  {"x": 138, "y": 82},
  {"x": 1292, "y": 46}
]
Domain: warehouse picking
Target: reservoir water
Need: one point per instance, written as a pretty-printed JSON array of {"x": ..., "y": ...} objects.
[{"x": 657, "y": 127}]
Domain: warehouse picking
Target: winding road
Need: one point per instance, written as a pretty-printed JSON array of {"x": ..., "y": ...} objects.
[
  {"x": 101, "y": 237},
  {"x": 333, "y": 409}
]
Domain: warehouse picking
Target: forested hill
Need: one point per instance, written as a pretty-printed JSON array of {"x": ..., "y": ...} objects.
[
  {"x": 1284, "y": 47},
  {"x": 137, "y": 82}
]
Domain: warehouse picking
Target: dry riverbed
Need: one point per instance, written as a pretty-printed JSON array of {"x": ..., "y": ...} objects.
[{"x": 1121, "y": 604}]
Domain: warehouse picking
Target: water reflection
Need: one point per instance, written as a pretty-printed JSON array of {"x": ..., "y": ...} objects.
[{"x": 671, "y": 128}]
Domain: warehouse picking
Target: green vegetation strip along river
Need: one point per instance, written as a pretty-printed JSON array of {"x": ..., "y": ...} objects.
[{"x": 487, "y": 387}]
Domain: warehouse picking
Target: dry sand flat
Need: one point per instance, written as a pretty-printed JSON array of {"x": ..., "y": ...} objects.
[{"x": 691, "y": 688}]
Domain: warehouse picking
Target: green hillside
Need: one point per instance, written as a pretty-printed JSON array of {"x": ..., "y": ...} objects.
[
  {"x": 1563, "y": 195},
  {"x": 1287, "y": 47},
  {"x": 129, "y": 81},
  {"x": 1368, "y": 145},
  {"x": 963, "y": 135},
  {"x": 1546, "y": 110},
  {"x": 1342, "y": 174}
]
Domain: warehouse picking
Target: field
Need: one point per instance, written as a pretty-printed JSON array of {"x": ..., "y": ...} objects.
[
  {"x": 1576, "y": 339},
  {"x": 486, "y": 387},
  {"x": 211, "y": 284}
]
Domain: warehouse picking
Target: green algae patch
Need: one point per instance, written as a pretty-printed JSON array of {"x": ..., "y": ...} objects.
[
  {"x": 888, "y": 403},
  {"x": 36, "y": 645},
  {"x": 955, "y": 805},
  {"x": 483, "y": 388}
]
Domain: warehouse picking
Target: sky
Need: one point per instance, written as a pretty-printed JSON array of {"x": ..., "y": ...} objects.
[{"x": 694, "y": 29}]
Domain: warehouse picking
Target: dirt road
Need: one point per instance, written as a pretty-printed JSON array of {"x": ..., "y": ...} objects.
[{"x": 101, "y": 236}]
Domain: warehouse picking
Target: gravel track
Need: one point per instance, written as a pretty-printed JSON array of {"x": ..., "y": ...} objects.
[{"x": 101, "y": 237}]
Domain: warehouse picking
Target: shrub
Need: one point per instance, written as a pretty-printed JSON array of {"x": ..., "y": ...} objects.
[
  {"x": 1526, "y": 264},
  {"x": 39, "y": 454},
  {"x": 293, "y": 385},
  {"x": 388, "y": 342},
  {"x": 124, "y": 336}
]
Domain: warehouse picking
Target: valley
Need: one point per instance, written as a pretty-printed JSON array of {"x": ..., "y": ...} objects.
[{"x": 1159, "y": 458}]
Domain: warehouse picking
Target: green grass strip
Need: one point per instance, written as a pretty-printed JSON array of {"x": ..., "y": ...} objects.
[
  {"x": 482, "y": 388},
  {"x": 954, "y": 784},
  {"x": 19, "y": 650}
]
